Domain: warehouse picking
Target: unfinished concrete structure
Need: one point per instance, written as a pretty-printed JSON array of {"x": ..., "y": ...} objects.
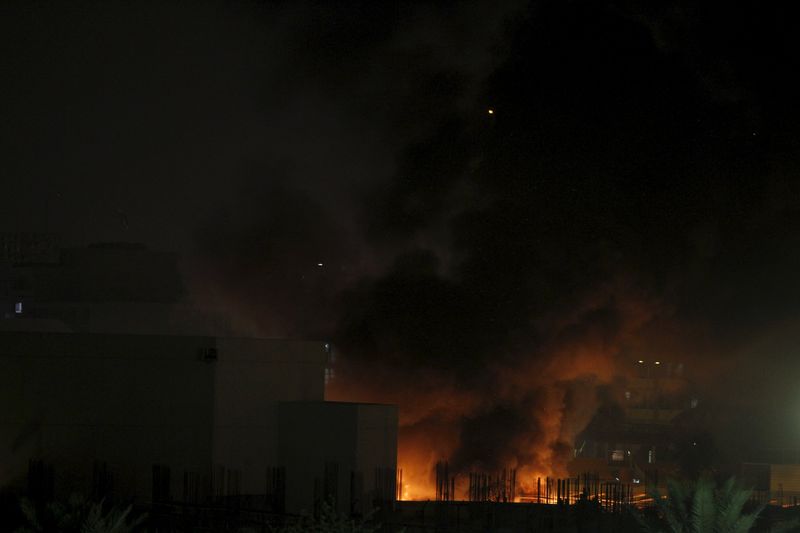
[
  {"x": 199, "y": 408},
  {"x": 113, "y": 385},
  {"x": 343, "y": 452}
]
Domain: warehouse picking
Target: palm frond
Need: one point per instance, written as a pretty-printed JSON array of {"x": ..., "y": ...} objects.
[
  {"x": 730, "y": 504},
  {"x": 29, "y": 511},
  {"x": 703, "y": 511},
  {"x": 700, "y": 508},
  {"x": 744, "y": 523},
  {"x": 674, "y": 507}
]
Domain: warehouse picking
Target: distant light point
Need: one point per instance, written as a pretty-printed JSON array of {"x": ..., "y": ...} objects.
[
  {"x": 640, "y": 361},
  {"x": 490, "y": 111},
  {"x": 319, "y": 264},
  {"x": 658, "y": 362}
]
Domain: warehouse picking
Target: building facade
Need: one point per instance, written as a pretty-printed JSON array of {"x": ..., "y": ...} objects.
[
  {"x": 200, "y": 412},
  {"x": 113, "y": 384}
]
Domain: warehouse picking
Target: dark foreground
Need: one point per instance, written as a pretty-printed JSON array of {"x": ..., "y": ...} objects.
[{"x": 408, "y": 517}]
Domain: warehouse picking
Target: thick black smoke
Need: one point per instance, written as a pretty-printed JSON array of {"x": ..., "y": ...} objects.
[
  {"x": 631, "y": 195},
  {"x": 335, "y": 173},
  {"x": 622, "y": 199},
  {"x": 366, "y": 151}
]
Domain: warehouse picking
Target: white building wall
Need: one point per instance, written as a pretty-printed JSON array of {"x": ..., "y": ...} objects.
[
  {"x": 133, "y": 401},
  {"x": 251, "y": 376},
  {"x": 130, "y": 401},
  {"x": 358, "y": 438}
]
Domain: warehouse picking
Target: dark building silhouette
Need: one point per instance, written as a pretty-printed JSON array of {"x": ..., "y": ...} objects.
[
  {"x": 632, "y": 441},
  {"x": 113, "y": 387}
]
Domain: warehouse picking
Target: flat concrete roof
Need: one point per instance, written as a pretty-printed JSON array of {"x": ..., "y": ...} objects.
[{"x": 130, "y": 346}]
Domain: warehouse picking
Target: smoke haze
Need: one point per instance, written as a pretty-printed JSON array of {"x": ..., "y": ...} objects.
[{"x": 333, "y": 172}]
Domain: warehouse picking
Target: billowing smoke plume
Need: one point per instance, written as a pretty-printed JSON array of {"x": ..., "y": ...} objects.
[
  {"x": 495, "y": 274},
  {"x": 633, "y": 194},
  {"x": 486, "y": 377}
]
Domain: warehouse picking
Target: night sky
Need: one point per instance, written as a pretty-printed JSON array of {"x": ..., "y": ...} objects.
[{"x": 633, "y": 194}]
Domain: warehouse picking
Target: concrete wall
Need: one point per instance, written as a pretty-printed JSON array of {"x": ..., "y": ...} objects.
[
  {"x": 133, "y": 401},
  {"x": 251, "y": 377},
  {"x": 785, "y": 478},
  {"x": 335, "y": 447},
  {"x": 111, "y": 273},
  {"x": 136, "y": 318}
]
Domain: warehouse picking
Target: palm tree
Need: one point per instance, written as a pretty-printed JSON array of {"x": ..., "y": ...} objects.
[
  {"x": 703, "y": 508},
  {"x": 77, "y": 515}
]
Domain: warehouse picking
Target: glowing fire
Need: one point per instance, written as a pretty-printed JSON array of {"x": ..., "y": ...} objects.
[{"x": 524, "y": 412}]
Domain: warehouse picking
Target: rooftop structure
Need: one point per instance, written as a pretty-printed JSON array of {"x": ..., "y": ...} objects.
[{"x": 135, "y": 401}]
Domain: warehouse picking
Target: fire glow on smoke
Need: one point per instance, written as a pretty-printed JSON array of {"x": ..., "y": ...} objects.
[
  {"x": 529, "y": 422},
  {"x": 518, "y": 404}
]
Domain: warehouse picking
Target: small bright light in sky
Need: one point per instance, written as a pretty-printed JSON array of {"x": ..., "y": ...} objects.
[
  {"x": 658, "y": 362},
  {"x": 491, "y": 111},
  {"x": 319, "y": 264},
  {"x": 640, "y": 361}
]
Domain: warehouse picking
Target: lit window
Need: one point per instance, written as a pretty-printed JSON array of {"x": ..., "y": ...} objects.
[{"x": 18, "y": 308}]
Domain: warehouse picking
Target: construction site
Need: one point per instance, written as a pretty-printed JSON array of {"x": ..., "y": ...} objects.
[{"x": 122, "y": 392}]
